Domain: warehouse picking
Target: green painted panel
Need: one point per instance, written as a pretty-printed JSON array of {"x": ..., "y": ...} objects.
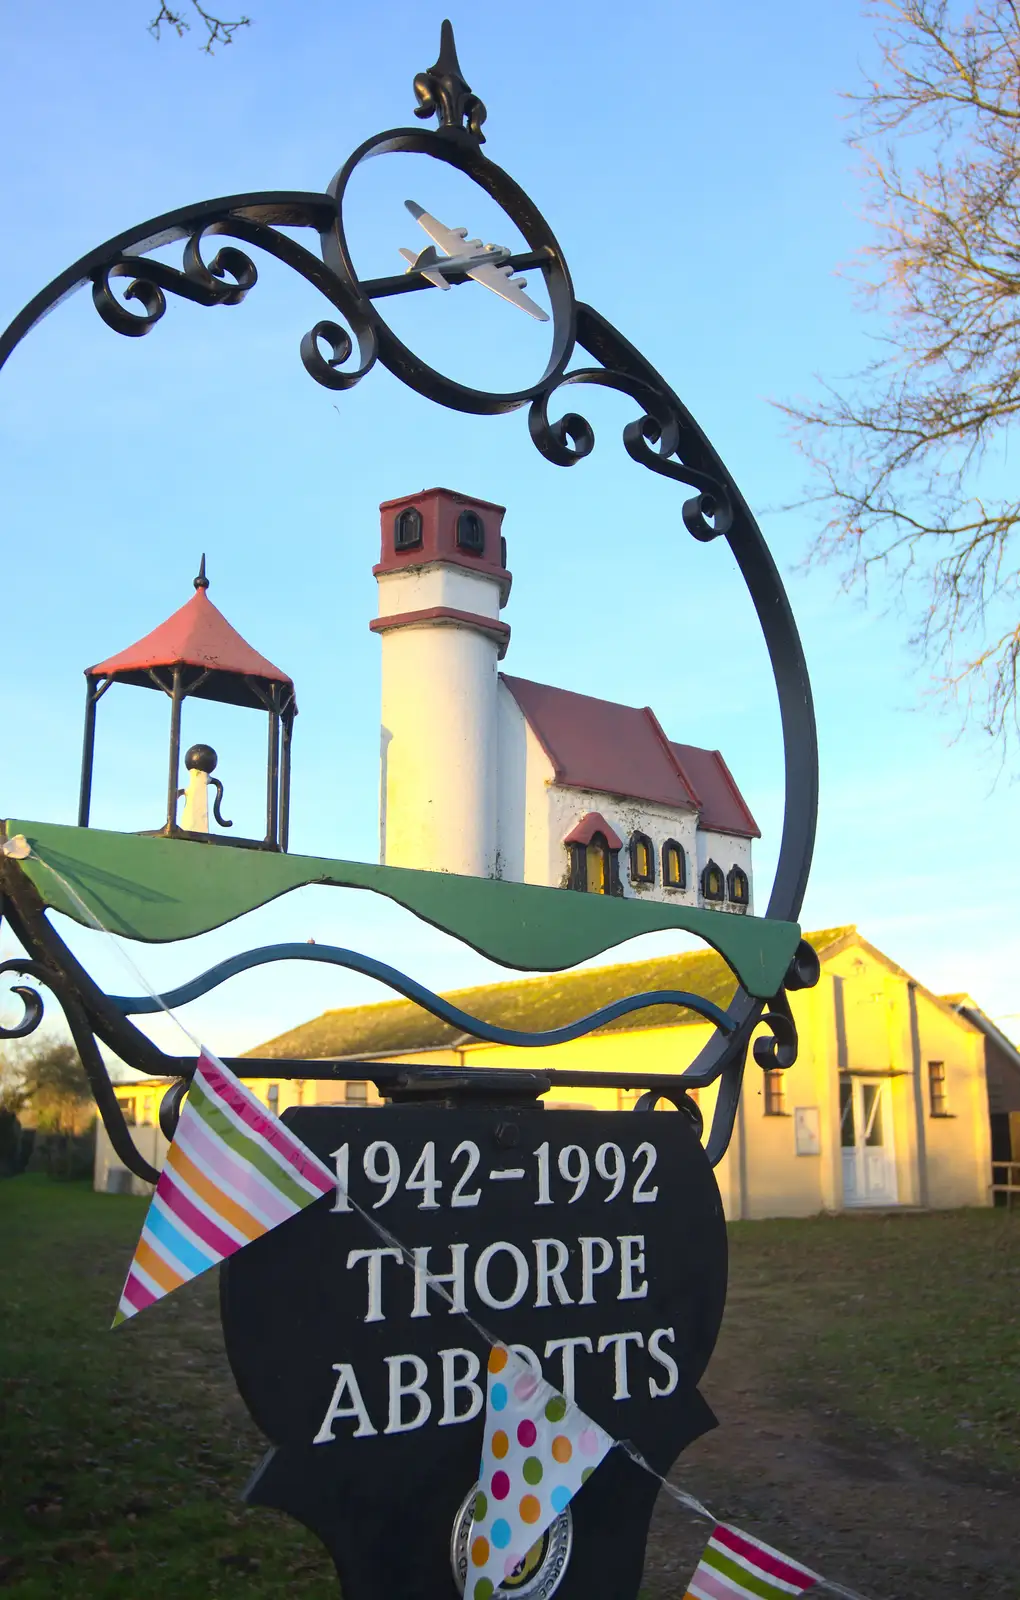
[{"x": 159, "y": 890}]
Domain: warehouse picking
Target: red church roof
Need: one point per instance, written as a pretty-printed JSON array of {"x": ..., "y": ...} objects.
[
  {"x": 614, "y": 749},
  {"x": 723, "y": 808},
  {"x": 198, "y": 635}
]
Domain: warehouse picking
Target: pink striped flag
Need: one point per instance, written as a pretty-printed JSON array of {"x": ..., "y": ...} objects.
[
  {"x": 737, "y": 1567},
  {"x": 232, "y": 1173}
]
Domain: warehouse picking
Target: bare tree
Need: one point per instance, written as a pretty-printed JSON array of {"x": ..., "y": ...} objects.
[
  {"x": 912, "y": 452},
  {"x": 217, "y": 29},
  {"x": 46, "y": 1079}
]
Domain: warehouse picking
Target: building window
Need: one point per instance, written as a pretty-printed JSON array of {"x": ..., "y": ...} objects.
[
  {"x": 594, "y": 867},
  {"x": 712, "y": 882},
  {"x": 128, "y": 1107},
  {"x": 407, "y": 529},
  {"x": 871, "y": 1112},
  {"x": 470, "y": 532},
  {"x": 775, "y": 1093},
  {"x": 938, "y": 1100},
  {"x": 642, "y": 859},
  {"x": 847, "y": 1128},
  {"x": 674, "y": 865},
  {"x": 273, "y": 1098},
  {"x": 737, "y": 886},
  {"x": 356, "y": 1094}
]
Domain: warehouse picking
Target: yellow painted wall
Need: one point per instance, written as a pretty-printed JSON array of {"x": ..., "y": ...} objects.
[
  {"x": 959, "y": 1152},
  {"x": 762, "y": 1175}
]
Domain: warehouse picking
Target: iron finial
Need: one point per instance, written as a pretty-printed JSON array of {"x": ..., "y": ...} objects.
[
  {"x": 202, "y": 582},
  {"x": 443, "y": 91}
]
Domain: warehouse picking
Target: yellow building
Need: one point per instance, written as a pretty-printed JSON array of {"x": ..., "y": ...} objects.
[{"x": 887, "y": 1104}]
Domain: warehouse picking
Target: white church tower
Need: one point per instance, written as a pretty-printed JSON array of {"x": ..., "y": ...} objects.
[{"x": 442, "y": 582}]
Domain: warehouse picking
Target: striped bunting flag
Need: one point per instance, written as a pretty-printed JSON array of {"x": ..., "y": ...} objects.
[
  {"x": 737, "y": 1567},
  {"x": 232, "y": 1173}
]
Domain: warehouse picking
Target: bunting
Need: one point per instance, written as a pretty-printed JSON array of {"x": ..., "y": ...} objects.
[
  {"x": 231, "y": 1174},
  {"x": 737, "y": 1567},
  {"x": 538, "y": 1449}
]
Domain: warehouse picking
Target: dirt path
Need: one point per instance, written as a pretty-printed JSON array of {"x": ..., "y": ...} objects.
[{"x": 876, "y": 1516}]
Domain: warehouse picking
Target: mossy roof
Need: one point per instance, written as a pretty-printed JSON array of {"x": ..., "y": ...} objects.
[{"x": 533, "y": 1004}]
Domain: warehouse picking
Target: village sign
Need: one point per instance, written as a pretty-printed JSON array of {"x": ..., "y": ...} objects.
[{"x": 592, "y": 1244}]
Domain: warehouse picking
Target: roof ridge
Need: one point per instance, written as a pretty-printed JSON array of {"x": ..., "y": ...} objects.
[
  {"x": 538, "y": 984},
  {"x": 509, "y": 679},
  {"x": 671, "y": 756},
  {"x": 731, "y": 781}
]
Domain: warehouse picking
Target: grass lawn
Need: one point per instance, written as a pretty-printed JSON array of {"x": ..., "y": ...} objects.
[
  {"x": 123, "y": 1454},
  {"x": 910, "y": 1324}
]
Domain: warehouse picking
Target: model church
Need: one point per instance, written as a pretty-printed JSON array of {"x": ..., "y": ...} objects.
[{"x": 494, "y": 776}]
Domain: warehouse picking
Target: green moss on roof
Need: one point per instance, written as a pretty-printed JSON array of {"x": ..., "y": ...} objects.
[{"x": 532, "y": 1004}]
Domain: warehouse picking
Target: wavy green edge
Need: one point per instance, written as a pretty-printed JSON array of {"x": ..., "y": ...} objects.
[{"x": 158, "y": 890}]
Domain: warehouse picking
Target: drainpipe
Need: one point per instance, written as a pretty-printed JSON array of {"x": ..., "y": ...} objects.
[
  {"x": 842, "y": 1068},
  {"x": 741, "y": 1158},
  {"x": 915, "y": 1057}
]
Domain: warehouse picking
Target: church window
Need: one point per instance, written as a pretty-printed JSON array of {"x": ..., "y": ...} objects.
[
  {"x": 674, "y": 865},
  {"x": 713, "y": 885},
  {"x": 407, "y": 529},
  {"x": 642, "y": 859},
  {"x": 737, "y": 886},
  {"x": 594, "y": 867},
  {"x": 470, "y": 532}
]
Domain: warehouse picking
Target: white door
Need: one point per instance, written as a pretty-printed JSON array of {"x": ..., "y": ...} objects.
[{"x": 869, "y": 1161}]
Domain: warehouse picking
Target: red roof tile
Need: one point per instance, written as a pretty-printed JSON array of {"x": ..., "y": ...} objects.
[
  {"x": 591, "y": 823},
  {"x": 597, "y": 744},
  {"x": 198, "y": 635},
  {"x": 723, "y": 808}
]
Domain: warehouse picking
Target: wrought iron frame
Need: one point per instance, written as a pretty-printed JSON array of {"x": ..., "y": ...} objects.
[{"x": 664, "y": 438}]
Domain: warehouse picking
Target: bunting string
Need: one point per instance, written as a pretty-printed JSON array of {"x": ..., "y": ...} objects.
[{"x": 734, "y": 1564}]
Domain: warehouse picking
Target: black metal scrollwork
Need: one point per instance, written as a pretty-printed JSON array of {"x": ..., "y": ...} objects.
[
  {"x": 805, "y": 969},
  {"x": 227, "y": 263},
  {"x": 31, "y": 1000},
  {"x": 664, "y": 438},
  {"x": 171, "y": 1106},
  {"x": 551, "y": 437},
  {"x": 781, "y": 1049},
  {"x": 653, "y": 441},
  {"x": 679, "y": 1099},
  {"x": 94, "y": 1067},
  {"x": 225, "y": 282},
  {"x": 329, "y": 370}
]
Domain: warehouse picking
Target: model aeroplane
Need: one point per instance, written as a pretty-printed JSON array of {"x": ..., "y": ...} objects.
[{"x": 483, "y": 262}]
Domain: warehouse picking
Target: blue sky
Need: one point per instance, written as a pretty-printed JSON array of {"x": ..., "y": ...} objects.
[{"x": 691, "y": 162}]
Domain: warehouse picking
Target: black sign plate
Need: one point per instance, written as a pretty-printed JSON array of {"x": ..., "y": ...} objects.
[{"x": 593, "y": 1242}]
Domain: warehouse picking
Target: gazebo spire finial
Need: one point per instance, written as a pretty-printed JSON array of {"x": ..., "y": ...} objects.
[{"x": 202, "y": 582}]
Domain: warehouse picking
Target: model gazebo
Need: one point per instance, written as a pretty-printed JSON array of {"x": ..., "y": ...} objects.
[{"x": 197, "y": 653}]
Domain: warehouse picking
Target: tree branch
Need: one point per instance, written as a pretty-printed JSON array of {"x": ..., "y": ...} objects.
[
  {"x": 898, "y": 454},
  {"x": 217, "y": 29}
]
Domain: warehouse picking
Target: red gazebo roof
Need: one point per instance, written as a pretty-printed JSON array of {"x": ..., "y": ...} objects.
[{"x": 197, "y": 635}]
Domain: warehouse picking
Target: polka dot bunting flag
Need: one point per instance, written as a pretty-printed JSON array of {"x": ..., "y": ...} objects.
[{"x": 538, "y": 1450}]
